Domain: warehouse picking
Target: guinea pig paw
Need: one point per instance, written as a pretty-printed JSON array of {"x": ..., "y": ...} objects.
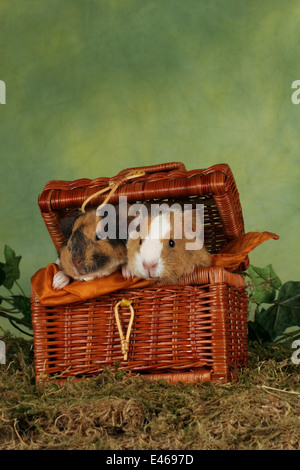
[
  {"x": 60, "y": 280},
  {"x": 87, "y": 278},
  {"x": 126, "y": 273}
]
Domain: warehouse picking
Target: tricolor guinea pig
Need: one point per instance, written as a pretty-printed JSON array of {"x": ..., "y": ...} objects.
[
  {"x": 168, "y": 246},
  {"x": 86, "y": 255}
]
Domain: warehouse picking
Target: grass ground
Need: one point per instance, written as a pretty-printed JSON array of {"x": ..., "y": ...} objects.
[{"x": 118, "y": 411}]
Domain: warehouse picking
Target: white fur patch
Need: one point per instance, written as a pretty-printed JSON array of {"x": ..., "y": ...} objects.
[
  {"x": 159, "y": 227},
  {"x": 151, "y": 248}
]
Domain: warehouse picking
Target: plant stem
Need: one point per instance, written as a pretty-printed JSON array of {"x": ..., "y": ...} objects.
[
  {"x": 18, "y": 328},
  {"x": 287, "y": 336},
  {"x": 9, "y": 317},
  {"x": 11, "y": 310},
  {"x": 7, "y": 300},
  {"x": 22, "y": 292}
]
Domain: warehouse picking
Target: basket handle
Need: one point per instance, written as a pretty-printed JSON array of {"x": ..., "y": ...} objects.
[
  {"x": 129, "y": 173},
  {"x": 156, "y": 168}
]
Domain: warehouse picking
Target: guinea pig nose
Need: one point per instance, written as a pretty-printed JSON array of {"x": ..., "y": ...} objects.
[{"x": 149, "y": 266}]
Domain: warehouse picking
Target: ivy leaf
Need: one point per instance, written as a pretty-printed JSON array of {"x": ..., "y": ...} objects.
[
  {"x": 266, "y": 282},
  {"x": 2, "y": 276},
  {"x": 22, "y": 304},
  {"x": 256, "y": 332},
  {"x": 285, "y": 312},
  {"x": 10, "y": 267}
]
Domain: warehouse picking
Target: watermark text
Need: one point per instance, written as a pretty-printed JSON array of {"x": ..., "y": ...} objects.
[
  {"x": 2, "y": 353},
  {"x": 154, "y": 221},
  {"x": 296, "y": 94},
  {"x": 296, "y": 354},
  {"x": 2, "y": 92}
]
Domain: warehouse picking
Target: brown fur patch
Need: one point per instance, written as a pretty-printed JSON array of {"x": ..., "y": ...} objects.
[{"x": 83, "y": 255}]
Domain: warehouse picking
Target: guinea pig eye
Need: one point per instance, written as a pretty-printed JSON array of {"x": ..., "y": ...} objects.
[
  {"x": 171, "y": 243},
  {"x": 98, "y": 237},
  {"x": 140, "y": 242}
]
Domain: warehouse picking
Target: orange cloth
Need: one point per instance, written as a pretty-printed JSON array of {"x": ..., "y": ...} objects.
[
  {"x": 229, "y": 258},
  {"x": 76, "y": 291},
  {"x": 235, "y": 252}
]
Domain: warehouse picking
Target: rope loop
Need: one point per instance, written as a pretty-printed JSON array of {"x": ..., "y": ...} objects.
[
  {"x": 113, "y": 186},
  {"x": 124, "y": 340}
]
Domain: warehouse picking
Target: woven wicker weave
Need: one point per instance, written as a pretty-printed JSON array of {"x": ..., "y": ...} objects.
[{"x": 193, "y": 331}]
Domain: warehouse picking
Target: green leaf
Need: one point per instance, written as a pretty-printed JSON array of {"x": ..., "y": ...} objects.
[
  {"x": 22, "y": 304},
  {"x": 2, "y": 276},
  {"x": 289, "y": 294},
  {"x": 256, "y": 332},
  {"x": 11, "y": 267},
  {"x": 265, "y": 281},
  {"x": 285, "y": 312}
]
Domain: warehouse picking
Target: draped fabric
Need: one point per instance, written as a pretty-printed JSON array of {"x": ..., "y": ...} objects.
[{"x": 229, "y": 258}]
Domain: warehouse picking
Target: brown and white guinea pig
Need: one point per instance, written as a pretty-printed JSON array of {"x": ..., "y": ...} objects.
[
  {"x": 86, "y": 255},
  {"x": 157, "y": 252}
]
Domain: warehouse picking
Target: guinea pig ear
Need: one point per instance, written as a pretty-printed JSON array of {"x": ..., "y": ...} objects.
[{"x": 66, "y": 226}]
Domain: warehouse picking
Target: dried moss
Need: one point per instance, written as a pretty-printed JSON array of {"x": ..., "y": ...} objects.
[{"x": 117, "y": 410}]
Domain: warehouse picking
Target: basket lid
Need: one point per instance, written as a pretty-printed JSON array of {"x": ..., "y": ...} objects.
[{"x": 214, "y": 187}]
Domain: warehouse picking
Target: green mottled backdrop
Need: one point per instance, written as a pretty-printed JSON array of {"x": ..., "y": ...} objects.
[{"x": 94, "y": 86}]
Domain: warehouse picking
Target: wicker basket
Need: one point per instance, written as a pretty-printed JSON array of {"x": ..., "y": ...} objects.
[{"x": 193, "y": 331}]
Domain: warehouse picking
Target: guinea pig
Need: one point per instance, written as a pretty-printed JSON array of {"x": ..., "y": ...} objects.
[
  {"x": 157, "y": 252},
  {"x": 86, "y": 255}
]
